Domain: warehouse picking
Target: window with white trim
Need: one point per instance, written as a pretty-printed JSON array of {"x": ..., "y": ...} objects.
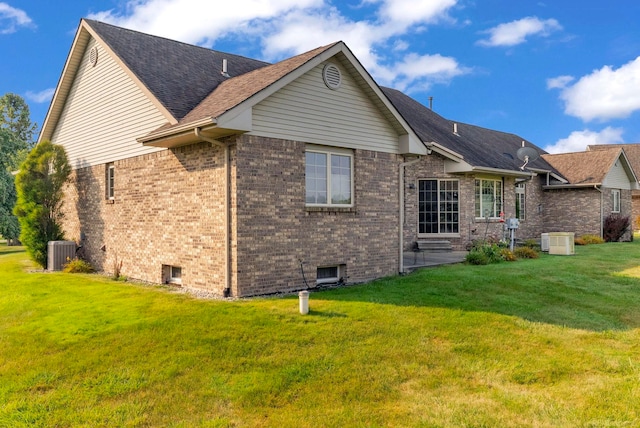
[
  {"x": 329, "y": 178},
  {"x": 488, "y": 195},
  {"x": 438, "y": 206},
  {"x": 110, "y": 181},
  {"x": 521, "y": 201},
  {"x": 615, "y": 195}
]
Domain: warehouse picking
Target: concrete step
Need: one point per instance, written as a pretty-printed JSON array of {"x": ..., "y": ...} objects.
[{"x": 433, "y": 246}]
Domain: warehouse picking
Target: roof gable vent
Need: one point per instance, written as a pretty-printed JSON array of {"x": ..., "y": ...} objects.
[
  {"x": 93, "y": 56},
  {"x": 331, "y": 76}
]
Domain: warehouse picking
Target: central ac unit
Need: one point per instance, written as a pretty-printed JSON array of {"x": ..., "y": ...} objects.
[
  {"x": 59, "y": 253},
  {"x": 561, "y": 243},
  {"x": 544, "y": 242}
]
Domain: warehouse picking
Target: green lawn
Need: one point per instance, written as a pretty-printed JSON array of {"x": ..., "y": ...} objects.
[{"x": 541, "y": 343}]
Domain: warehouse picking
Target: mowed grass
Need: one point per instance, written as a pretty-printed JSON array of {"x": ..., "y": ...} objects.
[{"x": 539, "y": 343}]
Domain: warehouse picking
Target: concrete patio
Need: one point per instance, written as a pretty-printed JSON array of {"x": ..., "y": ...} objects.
[{"x": 418, "y": 260}]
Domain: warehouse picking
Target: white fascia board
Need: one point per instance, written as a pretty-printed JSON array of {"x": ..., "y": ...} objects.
[
  {"x": 463, "y": 167},
  {"x": 65, "y": 82},
  {"x": 449, "y": 154}
]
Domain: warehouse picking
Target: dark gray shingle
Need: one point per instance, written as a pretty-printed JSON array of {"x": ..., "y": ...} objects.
[
  {"x": 179, "y": 75},
  {"x": 480, "y": 147}
]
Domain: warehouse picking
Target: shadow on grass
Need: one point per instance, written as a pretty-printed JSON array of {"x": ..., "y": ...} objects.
[
  {"x": 585, "y": 291},
  {"x": 10, "y": 250}
]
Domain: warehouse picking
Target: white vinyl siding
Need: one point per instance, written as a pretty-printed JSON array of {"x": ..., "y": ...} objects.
[
  {"x": 307, "y": 110},
  {"x": 617, "y": 178},
  {"x": 104, "y": 114}
]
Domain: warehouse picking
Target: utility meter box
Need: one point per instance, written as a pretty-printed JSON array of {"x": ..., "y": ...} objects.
[
  {"x": 561, "y": 243},
  {"x": 513, "y": 223}
]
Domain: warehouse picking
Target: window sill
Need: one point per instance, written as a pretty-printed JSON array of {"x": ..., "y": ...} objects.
[
  {"x": 110, "y": 201},
  {"x": 330, "y": 209},
  {"x": 438, "y": 235}
]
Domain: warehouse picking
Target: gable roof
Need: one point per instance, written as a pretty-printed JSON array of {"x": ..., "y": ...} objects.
[
  {"x": 187, "y": 85},
  {"x": 179, "y": 75},
  {"x": 481, "y": 148},
  {"x": 589, "y": 168},
  {"x": 632, "y": 151},
  {"x": 176, "y": 76}
]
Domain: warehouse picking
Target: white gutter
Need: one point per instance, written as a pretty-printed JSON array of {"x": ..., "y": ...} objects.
[
  {"x": 401, "y": 207},
  {"x": 227, "y": 217},
  {"x": 177, "y": 129}
]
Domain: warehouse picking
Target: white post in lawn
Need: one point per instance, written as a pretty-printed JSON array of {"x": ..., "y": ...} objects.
[{"x": 303, "y": 297}]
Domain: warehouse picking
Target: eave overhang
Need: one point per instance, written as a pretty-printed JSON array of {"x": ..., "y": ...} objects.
[
  {"x": 462, "y": 167},
  {"x": 571, "y": 186}
]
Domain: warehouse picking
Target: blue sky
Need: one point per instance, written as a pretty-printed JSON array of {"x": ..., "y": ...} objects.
[{"x": 562, "y": 73}]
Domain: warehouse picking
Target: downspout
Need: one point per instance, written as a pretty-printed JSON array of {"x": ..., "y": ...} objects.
[
  {"x": 227, "y": 217},
  {"x": 595, "y": 186},
  {"x": 401, "y": 207}
]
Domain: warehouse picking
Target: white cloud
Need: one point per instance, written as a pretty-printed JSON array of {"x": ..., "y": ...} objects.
[
  {"x": 11, "y": 18},
  {"x": 283, "y": 28},
  {"x": 404, "y": 13},
  {"x": 516, "y": 32},
  {"x": 578, "y": 141},
  {"x": 198, "y": 21},
  {"x": 424, "y": 70},
  {"x": 605, "y": 94},
  {"x": 43, "y": 96},
  {"x": 559, "y": 82}
]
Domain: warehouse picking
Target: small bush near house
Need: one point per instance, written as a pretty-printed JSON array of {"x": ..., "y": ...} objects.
[
  {"x": 615, "y": 226},
  {"x": 77, "y": 266},
  {"x": 476, "y": 257},
  {"x": 526, "y": 253},
  {"x": 591, "y": 239},
  {"x": 579, "y": 241},
  {"x": 484, "y": 252},
  {"x": 531, "y": 243},
  {"x": 507, "y": 255}
]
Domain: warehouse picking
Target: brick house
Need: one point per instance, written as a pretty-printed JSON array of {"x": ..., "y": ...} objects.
[
  {"x": 460, "y": 198},
  {"x": 632, "y": 151},
  {"x": 224, "y": 173},
  {"x": 600, "y": 183},
  {"x": 467, "y": 195},
  {"x": 239, "y": 177}
]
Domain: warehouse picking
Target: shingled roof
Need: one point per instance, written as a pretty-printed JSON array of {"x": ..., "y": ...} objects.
[
  {"x": 179, "y": 75},
  {"x": 585, "y": 168},
  {"x": 480, "y": 147},
  {"x": 631, "y": 150}
]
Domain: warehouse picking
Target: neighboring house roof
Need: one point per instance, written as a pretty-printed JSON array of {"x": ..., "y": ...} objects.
[
  {"x": 631, "y": 150},
  {"x": 589, "y": 168},
  {"x": 481, "y": 148}
]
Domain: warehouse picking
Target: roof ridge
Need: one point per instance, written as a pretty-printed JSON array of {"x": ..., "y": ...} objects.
[{"x": 191, "y": 45}]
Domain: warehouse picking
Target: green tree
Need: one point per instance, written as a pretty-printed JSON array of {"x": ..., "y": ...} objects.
[
  {"x": 16, "y": 118},
  {"x": 11, "y": 152},
  {"x": 39, "y": 186}
]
